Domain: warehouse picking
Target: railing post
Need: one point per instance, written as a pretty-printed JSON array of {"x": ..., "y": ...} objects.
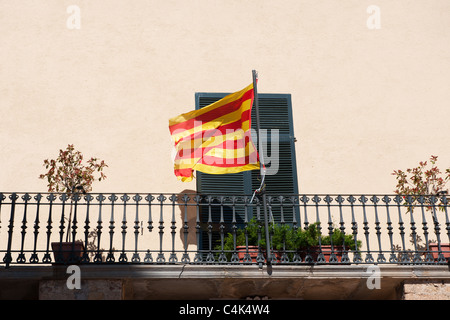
[
  {"x": 260, "y": 255},
  {"x": 8, "y": 258},
  {"x": 437, "y": 230},
  {"x": 222, "y": 256},
  {"x": 72, "y": 257},
  {"x": 34, "y": 258},
  {"x": 428, "y": 257},
  {"x": 21, "y": 258},
  {"x": 135, "y": 257},
  {"x": 47, "y": 258},
  {"x": 295, "y": 225},
  {"x": 59, "y": 258},
  {"x": 410, "y": 202},
  {"x": 210, "y": 256},
  {"x": 333, "y": 256},
  {"x": 98, "y": 258},
  {"x": 123, "y": 257},
  {"x": 198, "y": 257},
  {"x": 345, "y": 258},
  {"x": 369, "y": 258},
  {"x": 284, "y": 257},
  {"x": 234, "y": 256},
  {"x": 321, "y": 257},
  {"x": 160, "y": 258},
  {"x": 85, "y": 257},
  {"x": 247, "y": 259},
  {"x": 305, "y": 199},
  {"x": 357, "y": 256},
  {"x": 2, "y": 197},
  {"x": 380, "y": 258},
  {"x": 447, "y": 221},
  {"x": 110, "y": 258},
  {"x": 270, "y": 231},
  {"x": 148, "y": 255},
  {"x": 185, "y": 258},
  {"x": 173, "y": 257},
  {"x": 403, "y": 257},
  {"x": 392, "y": 257}
]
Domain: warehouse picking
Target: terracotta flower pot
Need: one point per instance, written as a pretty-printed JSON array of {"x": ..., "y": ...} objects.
[
  {"x": 434, "y": 250},
  {"x": 252, "y": 250},
  {"x": 314, "y": 252},
  {"x": 63, "y": 250},
  {"x": 326, "y": 250}
]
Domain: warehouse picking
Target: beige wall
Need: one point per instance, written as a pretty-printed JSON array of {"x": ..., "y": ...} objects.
[{"x": 365, "y": 101}]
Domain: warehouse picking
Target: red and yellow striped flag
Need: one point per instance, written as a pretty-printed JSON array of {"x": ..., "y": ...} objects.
[{"x": 215, "y": 139}]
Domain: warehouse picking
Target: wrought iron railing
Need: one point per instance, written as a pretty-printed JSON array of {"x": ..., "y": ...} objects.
[{"x": 49, "y": 228}]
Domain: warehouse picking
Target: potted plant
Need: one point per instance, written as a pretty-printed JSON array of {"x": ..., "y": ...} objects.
[
  {"x": 425, "y": 186},
  {"x": 287, "y": 240},
  {"x": 247, "y": 250},
  {"x": 68, "y": 175},
  {"x": 282, "y": 239},
  {"x": 311, "y": 243}
]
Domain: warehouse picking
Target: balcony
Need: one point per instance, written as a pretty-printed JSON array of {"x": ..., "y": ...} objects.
[{"x": 225, "y": 236}]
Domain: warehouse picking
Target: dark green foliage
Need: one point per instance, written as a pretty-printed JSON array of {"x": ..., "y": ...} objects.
[{"x": 286, "y": 237}]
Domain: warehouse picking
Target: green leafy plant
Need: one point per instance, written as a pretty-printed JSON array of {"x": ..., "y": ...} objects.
[
  {"x": 252, "y": 236},
  {"x": 286, "y": 237},
  {"x": 338, "y": 238},
  {"x": 422, "y": 185}
]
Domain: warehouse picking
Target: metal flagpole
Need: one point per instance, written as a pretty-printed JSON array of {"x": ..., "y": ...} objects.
[{"x": 262, "y": 168}]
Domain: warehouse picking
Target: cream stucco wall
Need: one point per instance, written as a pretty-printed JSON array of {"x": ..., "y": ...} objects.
[{"x": 365, "y": 101}]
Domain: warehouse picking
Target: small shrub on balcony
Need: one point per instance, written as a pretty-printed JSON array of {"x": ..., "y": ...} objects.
[
  {"x": 67, "y": 174},
  {"x": 423, "y": 185},
  {"x": 286, "y": 237}
]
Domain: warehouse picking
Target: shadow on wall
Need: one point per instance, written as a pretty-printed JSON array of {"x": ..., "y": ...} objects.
[
  {"x": 215, "y": 213},
  {"x": 188, "y": 217}
]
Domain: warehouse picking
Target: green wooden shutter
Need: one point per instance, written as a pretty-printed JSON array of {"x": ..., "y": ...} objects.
[{"x": 275, "y": 113}]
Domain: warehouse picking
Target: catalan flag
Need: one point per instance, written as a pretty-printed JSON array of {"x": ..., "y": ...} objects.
[{"x": 215, "y": 139}]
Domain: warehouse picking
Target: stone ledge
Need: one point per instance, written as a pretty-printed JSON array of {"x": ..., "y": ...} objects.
[
  {"x": 216, "y": 281},
  {"x": 226, "y": 271}
]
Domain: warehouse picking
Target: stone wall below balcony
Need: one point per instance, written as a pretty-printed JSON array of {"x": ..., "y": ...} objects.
[{"x": 426, "y": 290}]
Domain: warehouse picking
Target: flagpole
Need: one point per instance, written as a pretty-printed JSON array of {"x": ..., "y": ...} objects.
[
  {"x": 262, "y": 170},
  {"x": 258, "y": 121}
]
